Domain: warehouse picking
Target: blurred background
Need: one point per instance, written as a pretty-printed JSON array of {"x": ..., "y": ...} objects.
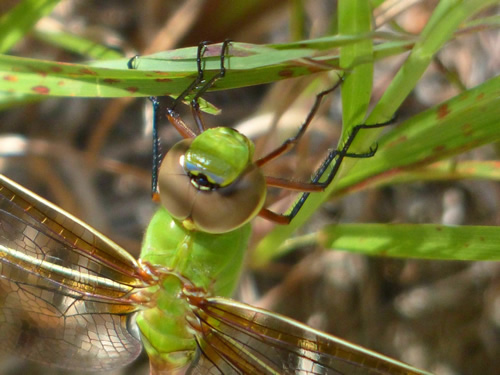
[{"x": 93, "y": 158}]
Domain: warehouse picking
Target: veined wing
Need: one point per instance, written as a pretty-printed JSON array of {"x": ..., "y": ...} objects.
[
  {"x": 64, "y": 287},
  {"x": 240, "y": 339}
]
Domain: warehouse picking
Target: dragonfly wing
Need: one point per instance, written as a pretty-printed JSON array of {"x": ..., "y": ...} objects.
[
  {"x": 240, "y": 339},
  {"x": 64, "y": 288},
  {"x": 58, "y": 328}
]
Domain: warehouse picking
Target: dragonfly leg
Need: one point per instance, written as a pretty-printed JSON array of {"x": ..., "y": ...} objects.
[
  {"x": 220, "y": 74},
  {"x": 173, "y": 116},
  {"x": 195, "y": 106},
  {"x": 198, "y": 79},
  {"x": 288, "y": 144},
  {"x": 132, "y": 64},
  {"x": 334, "y": 156},
  {"x": 156, "y": 149}
]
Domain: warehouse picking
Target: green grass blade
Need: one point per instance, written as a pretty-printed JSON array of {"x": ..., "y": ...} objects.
[
  {"x": 77, "y": 45},
  {"x": 445, "y": 20},
  {"x": 355, "y": 18},
  {"x": 170, "y": 72},
  {"x": 8, "y": 100},
  {"x": 423, "y": 241},
  {"x": 464, "y": 122},
  {"x": 16, "y": 23},
  {"x": 446, "y": 170}
]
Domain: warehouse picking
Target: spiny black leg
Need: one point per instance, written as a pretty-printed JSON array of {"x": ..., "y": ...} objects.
[
  {"x": 132, "y": 64},
  {"x": 292, "y": 141},
  {"x": 339, "y": 155},
  {"x": 172, "y": 115},
  {"x": 221, "y": 74},
  {"x": 198, "y": 79},
  {"x": 195, "y": 106},
  {"x": 156, "y": 146}
]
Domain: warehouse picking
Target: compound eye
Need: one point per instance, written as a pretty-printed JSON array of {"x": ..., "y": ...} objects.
[
  {"x": 177, "y": 193},
  {"x": 228, "y": 208}
]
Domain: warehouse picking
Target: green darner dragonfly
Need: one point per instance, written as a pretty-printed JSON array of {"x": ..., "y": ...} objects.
[{"x": 72, "y": 298}]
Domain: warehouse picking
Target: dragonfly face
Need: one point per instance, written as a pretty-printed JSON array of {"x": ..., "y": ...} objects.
[{"x": 210, "y": 182}]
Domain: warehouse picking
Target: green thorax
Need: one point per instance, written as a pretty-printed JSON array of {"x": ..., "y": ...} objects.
[
  {"x": 221, "y": 154},
  {"x": 211, "y": 261}
]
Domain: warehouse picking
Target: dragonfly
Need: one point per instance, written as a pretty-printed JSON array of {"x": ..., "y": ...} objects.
[{"x": 70, "y": 297}]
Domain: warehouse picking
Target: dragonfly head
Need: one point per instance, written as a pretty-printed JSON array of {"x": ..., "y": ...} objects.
[{"x": 210, "y": 183}]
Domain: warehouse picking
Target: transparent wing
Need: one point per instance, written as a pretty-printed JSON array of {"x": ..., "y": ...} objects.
[
  {"x": 240, "y": 339},
  {"x": 64, "y": 288}
]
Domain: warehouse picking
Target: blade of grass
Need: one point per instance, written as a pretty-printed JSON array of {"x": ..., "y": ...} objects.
[
  {"x": 424, "y": 241},
  {"x": 77, "y": 44},
  {"x": 445, "y": 20},
  {"x": 17, "y": 22},
  {"x": 464, "y": 122},
  {"x": 441, "y": 171},
  {"x": 355, "y": 18},
  {"x": 249, "y": 65}
]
